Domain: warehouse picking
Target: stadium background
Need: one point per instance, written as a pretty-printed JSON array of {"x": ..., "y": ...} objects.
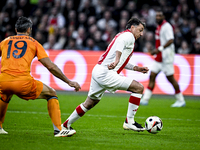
[{"x": 75, "y": 34}]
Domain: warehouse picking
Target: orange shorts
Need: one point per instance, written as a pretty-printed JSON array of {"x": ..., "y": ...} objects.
[{"x": 25, "y": 89}]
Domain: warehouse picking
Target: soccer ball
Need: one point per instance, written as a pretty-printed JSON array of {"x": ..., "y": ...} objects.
[{"x": 153, "y": 124}]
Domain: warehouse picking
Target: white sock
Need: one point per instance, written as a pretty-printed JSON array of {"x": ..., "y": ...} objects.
[
  {"x": 147, "y": 95},
  {"x": 77, "y": 113},
  {"x": 56, "y": 130},
  {"x": 134, "y": 102},
  {"x": 180, "y": 97}
]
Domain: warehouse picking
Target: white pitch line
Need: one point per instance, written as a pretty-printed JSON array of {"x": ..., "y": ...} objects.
[{"x": 108, "y": 116}]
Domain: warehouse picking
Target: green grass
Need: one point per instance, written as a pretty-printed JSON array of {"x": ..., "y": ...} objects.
[{"x": 30, "y": 127}]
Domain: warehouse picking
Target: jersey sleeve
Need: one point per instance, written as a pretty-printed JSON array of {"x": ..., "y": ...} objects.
[
  {"x": 123, "y": 40},
  {"x": 40, "y": 51},
  {"x": 168, "y": 32}
]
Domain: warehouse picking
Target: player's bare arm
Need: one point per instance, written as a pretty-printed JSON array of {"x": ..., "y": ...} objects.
[
  {"x": 168, "y": 43},
  {"x": 117, "y": 58},
  {"x": 141, "y": 69},
  {"x": 136, "y": 68},
  {"x": 53, "y": 68},
  {"x": 161, "y": 48}
]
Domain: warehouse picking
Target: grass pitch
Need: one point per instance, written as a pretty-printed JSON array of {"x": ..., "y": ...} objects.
[{"x": 30, "y": 127}]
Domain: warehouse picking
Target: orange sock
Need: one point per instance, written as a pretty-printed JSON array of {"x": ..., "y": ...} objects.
[
  {"x": 3, "y": 109},
  {"x": 54, "y": 112}
]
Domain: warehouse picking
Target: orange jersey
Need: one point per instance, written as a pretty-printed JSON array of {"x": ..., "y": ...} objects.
[{"x": 17, "y": 53}]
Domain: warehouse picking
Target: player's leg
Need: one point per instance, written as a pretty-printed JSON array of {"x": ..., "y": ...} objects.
[
  {"x": 168, "y": 69},
  {"x": 149, "y": 90},
  {"x": 80, "y": 111},
  {"x": 155, "y": 69},
  {"x": 134, "y": 101},
  {"x": 3, "y": 110},
  {"x": 94, "y": 96},
  {"x": 53, "y": 107},
  {"x": 33, "y": 89},
  {"x": 180, "y": 102},
  {"x": 5, "y": 98},
  {"x": 152, "y": 79},
  {"x": 174, "y": 83}
]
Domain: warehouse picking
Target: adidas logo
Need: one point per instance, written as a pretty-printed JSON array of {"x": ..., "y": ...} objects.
[{"x": 64, "y": 132}]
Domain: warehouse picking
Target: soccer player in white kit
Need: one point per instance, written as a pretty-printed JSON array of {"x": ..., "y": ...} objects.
[
  {"x": 164, "y": 59},
  {"x": 105, "y": 76}
]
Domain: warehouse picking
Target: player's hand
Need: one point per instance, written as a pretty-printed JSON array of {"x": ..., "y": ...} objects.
[
  {"x": 149, "y": 51},
  {"x": 112, "y": 65},
  {"x": 75, "y": 85},
  {"x": 153, "y": 52},
  {"x": 141, "y": 69}
]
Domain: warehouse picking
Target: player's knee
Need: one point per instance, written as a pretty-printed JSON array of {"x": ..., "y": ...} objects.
[
  {"x": 89, "y": 103},
  {"x": 140, "y": 89},
  {"x": 51, "y": 97},
  {"x": 52, "y": 92},
  {"x": 47, "y": 95},
  {"x": 5, "y": 101}
]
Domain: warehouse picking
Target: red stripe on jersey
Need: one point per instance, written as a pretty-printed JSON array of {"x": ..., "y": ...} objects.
[
  {"x": 103, "y": 56},
  {"x": 134, "y": 100},
  {"x": 125, "y": 63},
  {"x": 158, "y": 57}
]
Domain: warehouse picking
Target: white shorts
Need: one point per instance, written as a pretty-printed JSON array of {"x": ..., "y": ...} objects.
[
  {"x": 167, "y": 68},
  {"x": 104, "y": 79}
]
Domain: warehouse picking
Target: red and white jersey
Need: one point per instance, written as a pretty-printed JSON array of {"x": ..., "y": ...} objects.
[
  {"x": 164, "y": 33},
  {"x": 123, "y": 42}
]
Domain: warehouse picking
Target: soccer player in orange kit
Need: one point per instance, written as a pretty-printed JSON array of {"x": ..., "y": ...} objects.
[{"x": 17, "y": 53}]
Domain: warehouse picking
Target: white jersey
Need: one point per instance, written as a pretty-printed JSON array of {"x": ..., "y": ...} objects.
[
  {"x": 123, "y": 42},
  {"x": 165, "y": 33}
]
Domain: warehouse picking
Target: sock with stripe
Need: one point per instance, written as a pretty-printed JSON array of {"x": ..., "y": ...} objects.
[
  {"x": 77, "y": 113},
  {"x": 3, "y": 109},
  {"x": 179, "y": 96},
  {"x": 147, "y": 94},
  {"x": 54, "y": 113},
  {"x": 134, "y": 102}
]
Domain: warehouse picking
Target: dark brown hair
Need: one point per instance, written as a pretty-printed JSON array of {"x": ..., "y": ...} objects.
[{"x": 135, "y": 22}]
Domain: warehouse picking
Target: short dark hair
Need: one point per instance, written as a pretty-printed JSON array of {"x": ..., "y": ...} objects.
[
  {"x": 23, "y": 24},
  {"x": 160, "y": 11},
  {"x": 135, "y": 22}
]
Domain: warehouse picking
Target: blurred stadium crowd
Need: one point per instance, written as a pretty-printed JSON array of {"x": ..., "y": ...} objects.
[{"x": 91, "y": 24}]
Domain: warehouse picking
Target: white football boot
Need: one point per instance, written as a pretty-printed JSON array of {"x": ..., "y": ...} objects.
[
  {"x": 2, "y": 131},
  {"x": 133, "y": 126},
  {"x": 66, "y": 132},
  {"x": 178, "y": 104}
]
